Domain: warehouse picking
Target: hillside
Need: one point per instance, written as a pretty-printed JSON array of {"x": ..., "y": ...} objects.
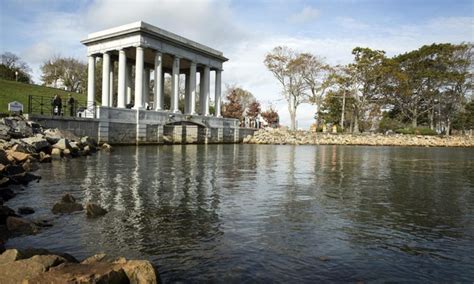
[{"x": 15, "y": 91}]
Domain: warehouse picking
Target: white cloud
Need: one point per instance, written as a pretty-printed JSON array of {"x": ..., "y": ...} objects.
[
  {"x": 307, "y": 14},
  {"x": 351, "y": 23}
]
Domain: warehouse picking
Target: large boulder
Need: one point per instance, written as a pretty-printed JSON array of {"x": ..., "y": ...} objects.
[
  {"x": 54, "y": 135},
  {"x": 38, "y": 142},
  {"x": 17, "y": 156},
  {"x": 82, "y": 273},
  {"x": 140, "y": 272},
  {"x": 11, "y": 255},
  {"x": 45, "y": 158},
  {"x": 62, "y": 144},
  {"x": 93, "y": 210},
  {"x": 56, "y": 154},
  {"x": 43, "y": 266},
  {"x": 20, "y": 226},
  {"x": 91, "y": 142},
  {"x": 18, "y": 127},
  {"x": 137, "y": 271},
  {"x": 106, "y": 147},
  {"x": 67, "y": 205},
  {"x": 23, "y": 147},
  {"x": 21, "y": 271}
]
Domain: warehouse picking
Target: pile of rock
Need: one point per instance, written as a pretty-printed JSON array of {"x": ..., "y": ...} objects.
[
  {"x": 283, "y": 136},
  {"x": 23, "y": 145},
  {"x": 43, "y": 266},
  {"x": 68, "y": 204}
]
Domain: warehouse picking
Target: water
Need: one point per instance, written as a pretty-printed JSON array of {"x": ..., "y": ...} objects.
[{"x": 246, "y": 213}]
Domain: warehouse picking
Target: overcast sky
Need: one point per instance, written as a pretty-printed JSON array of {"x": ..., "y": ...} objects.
[{"x": 244, "y": 30}]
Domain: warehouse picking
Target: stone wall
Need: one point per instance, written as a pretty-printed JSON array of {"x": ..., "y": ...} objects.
[
  {"x": 127, "y": 126},
  {"x": 79, "y": 126}
]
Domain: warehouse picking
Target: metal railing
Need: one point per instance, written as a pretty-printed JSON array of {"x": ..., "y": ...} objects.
[{"x": 47, "y": 106}]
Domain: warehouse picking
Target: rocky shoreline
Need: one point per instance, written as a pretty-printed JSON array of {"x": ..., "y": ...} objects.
[
  {"x": 283, "y": 137},
  {"x": 23, "y": 146}
]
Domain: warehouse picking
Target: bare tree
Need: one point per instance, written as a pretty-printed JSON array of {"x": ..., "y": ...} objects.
[
  {"x": 282, "y": 62},
  {"x": 13, "y": 68},
  {"x": 317, "y": 76},
  {"x": 70, "y": 70}
]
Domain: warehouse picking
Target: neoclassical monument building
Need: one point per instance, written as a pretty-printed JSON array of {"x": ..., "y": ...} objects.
[
  {"x": 132, "y": 111},
  {"x": 148, "y": 49}
]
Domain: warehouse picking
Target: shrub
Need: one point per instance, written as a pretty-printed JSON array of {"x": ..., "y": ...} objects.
[
  {"x": 387, "y": 123},
  {"x": 417, "y": 131}
]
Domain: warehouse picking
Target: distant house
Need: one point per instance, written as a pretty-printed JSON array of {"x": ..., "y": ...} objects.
[{"x": 58, "y": 84}]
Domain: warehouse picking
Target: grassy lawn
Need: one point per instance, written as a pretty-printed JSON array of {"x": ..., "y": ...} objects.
[{"x": 14, "y": 91}]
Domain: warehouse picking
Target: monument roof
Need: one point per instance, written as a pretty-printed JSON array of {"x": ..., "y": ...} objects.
[{"x": 151, "y": 30}]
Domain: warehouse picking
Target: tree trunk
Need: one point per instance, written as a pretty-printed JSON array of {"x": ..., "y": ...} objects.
[
  {"x": 414, "y": 122},
  {"x": 351, "y": 123},
  {"x": 356, "y": 121},
  {"x": 293, "y": 120},
  {"x": 432, "y": 118},
  {"x": 448, "y": 126},
  {"x": 343, "y": 110},
  {"x": 318, "y": 119},
  {"x": 292, "y": 111}
]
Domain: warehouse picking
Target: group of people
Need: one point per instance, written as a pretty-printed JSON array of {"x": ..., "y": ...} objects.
[{"x": 57, "y": 105}]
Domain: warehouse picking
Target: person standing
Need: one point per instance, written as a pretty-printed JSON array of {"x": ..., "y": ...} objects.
[{"x": 71, "y": 104}]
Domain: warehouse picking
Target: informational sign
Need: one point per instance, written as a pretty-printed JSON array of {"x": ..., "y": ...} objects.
[{"x": 15, "y": 107}]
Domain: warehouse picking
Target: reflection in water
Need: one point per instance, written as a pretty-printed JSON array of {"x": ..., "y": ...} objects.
[{"x": 269, "y": 213}]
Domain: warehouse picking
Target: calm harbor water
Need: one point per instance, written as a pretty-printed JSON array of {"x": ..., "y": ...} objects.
[{"x": 246, "y": 213}]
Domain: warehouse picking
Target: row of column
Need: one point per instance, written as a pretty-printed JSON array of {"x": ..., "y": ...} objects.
[{"x": 142, "y": 80}]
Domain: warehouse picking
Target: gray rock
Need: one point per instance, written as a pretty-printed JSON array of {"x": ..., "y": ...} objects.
[
  {"x": 67, "y": 205},
  {"x": 45, "y": 158},
  {"x": 37, "y": 142},
  {"x": 93, "y": 210},
  {"x": 66, "y": 208},
  {"x": 21, "y": 226},
  {"x": 25, "y": 210},
  {"x": 86, "y": 140},
  {"x": 68, "y": 198},
  {"x": 62, "y": 144}
]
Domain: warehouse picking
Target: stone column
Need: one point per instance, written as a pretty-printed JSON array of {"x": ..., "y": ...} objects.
[
  {"x": 205, "y": 96},
  {"x": 105, "y": 79},
  {"x": 122, "y": 79},
  {"x": 158, "y": 92},
  {"x": 139, "y": 78},
  {"x": 146, "y": 86},
  {"x": 217, "y": 99},
  {"x": 111, "y": 88},
  {"x": 163, "y": 88},
  {"x": 201, "y": 92},
  {"x": 91, "y": 81},
  {"x": 192, "y": 88},
  {"x": 129, "y": 83},
  {"x": 175, "y": 86},
  {"x": 187, "y": 96}
]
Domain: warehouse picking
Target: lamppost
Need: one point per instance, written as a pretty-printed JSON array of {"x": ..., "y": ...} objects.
[{"x": 16, "y": 76}]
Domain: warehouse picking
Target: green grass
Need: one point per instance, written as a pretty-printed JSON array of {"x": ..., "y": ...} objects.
[{"x": 15, "y": 91}]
